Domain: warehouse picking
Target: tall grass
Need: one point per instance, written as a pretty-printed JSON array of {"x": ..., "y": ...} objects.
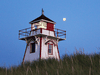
[{"x": 76, "y": 64}]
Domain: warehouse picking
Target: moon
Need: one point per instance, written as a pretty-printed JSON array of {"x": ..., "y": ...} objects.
[{"x": 64, "y": 19}]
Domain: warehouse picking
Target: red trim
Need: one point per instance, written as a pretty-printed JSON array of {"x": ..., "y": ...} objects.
[
  {"x": 25, "y": 53},
  {"x": 40, "y": 42},
  {"x": 28, "y": 44},
  {"x": 40, "y": 46},
  {"x": 51, "y": 50},
  {"x": 54, "y": 33},
  {"x": 40, "y": 30},
  {"x": 51, "y": 41},
  {"x": 58, "y": 52}
]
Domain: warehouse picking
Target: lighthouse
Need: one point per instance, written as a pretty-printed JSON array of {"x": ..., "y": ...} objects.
[{"x": 41, "y": 39}]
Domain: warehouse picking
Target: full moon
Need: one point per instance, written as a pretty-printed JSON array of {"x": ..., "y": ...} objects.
[{"x": 64, "y": 19}]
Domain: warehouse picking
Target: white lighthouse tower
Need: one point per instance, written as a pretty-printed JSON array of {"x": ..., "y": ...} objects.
[{"x": 42, "y": 39}]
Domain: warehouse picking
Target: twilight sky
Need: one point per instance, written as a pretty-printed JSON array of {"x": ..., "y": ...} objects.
[{"x": 82, "y": 25}]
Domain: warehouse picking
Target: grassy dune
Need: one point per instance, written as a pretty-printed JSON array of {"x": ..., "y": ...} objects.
[{"x": 76, "y": 64}]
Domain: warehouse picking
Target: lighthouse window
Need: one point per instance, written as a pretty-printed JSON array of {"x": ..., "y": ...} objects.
[
  {"x": 50, "y": 49},
  {"x": 32, "y": 50},
  {"x": 35, "y": 27}
]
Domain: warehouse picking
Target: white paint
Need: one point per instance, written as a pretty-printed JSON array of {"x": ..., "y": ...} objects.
[
  {"x": 46, "y": 36},
  {"x": 44, "y": 32},
  {"x": 42, "y": 25},
  {"x": 32, "y": 56},
  {"x": 39, "y": 25},
  {"x": 44, "y": 51},
  {"x": 48, "y": 33},
  {"x": 33, "y": 33}
]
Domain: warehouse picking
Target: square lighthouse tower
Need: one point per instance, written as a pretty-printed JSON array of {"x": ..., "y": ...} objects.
[{"x": 42, "y": 39}]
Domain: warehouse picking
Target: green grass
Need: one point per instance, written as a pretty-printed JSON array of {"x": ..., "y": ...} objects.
[{"x": 76, "y": 64}]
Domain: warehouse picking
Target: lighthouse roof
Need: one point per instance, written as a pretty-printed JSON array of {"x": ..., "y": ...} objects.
[{"x": 42, "y": 18}]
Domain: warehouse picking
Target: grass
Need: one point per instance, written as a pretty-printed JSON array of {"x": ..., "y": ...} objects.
[{"x": 76, "y": 64}]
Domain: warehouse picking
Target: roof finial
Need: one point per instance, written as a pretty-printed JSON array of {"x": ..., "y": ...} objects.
[{"x": 42, "y": 11}]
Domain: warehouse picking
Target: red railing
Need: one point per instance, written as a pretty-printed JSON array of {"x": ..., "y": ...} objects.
[{"x": 26, "y": 32}]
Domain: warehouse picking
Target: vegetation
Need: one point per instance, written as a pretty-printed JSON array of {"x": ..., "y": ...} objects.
[{"x": 76, "y": 64}]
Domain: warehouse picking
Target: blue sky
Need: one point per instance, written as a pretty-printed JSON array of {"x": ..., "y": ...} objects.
[{"x": 82, "y": 25}]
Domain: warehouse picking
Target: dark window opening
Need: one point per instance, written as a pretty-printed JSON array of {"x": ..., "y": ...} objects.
[
  {"x": 50, "y": 49},
  {"x": 35, "y": 26},
  {"x": 32, "y": 46}
]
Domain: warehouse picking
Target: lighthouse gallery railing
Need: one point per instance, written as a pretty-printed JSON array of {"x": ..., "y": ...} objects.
[{"x": 26, "y": 32}]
